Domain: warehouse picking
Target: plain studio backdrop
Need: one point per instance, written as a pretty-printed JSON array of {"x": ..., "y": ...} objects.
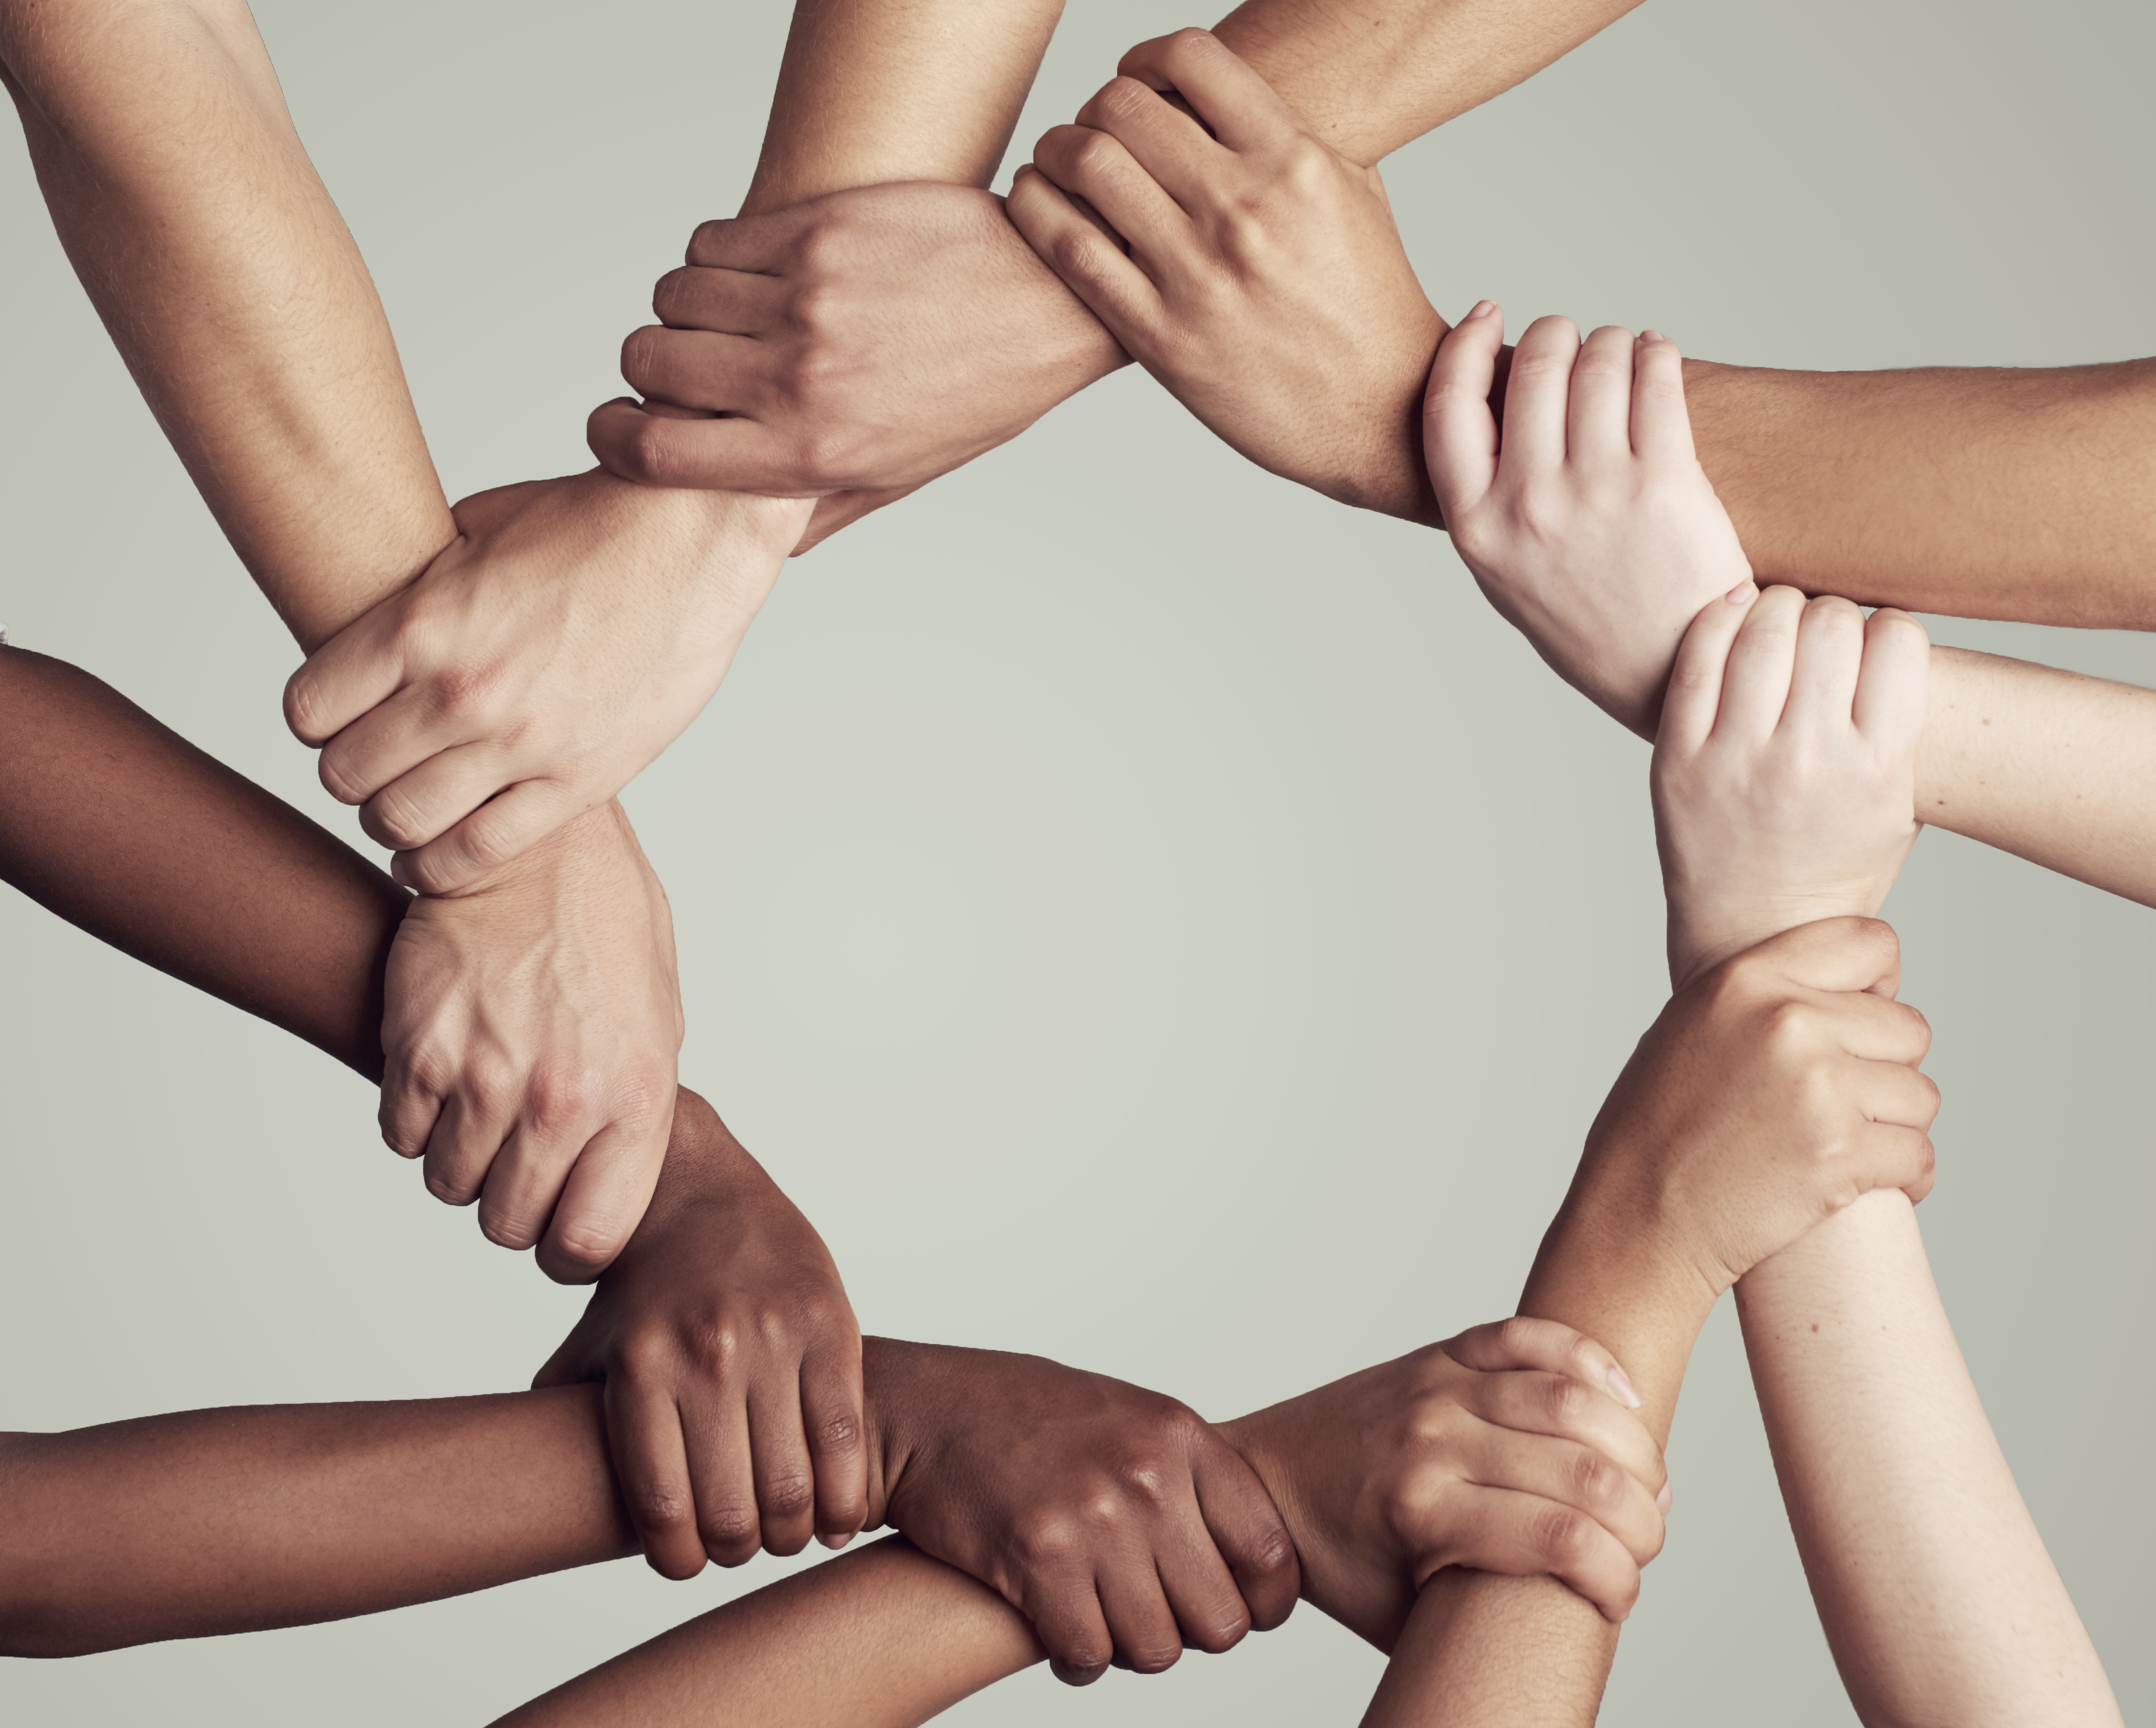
[{"x": 1143, "y": 912}]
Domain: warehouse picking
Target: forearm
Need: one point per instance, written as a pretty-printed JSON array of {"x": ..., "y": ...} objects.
[
  {"x": 872, "y": 91},
  {"x": 1939, "y": 1599},
  {"x": 1368, "y": 78},
  {"x": 235, "y": 1520},
  {"x": 233, "y": 290},
  {"x": 1984, "y": 492},
  {"x": 1486, "y": 1651},
  {"x": 882, "y": 1637},
  {"x": 2050, "y": 766},
  {"x": 123, "y": 828}
]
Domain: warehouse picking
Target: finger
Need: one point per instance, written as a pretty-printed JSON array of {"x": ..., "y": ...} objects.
[
  {"x": 778, "y": 1458},
  {"x": 1568, "y": 1474},
  {"x": 1496, "y": 1530},
  {"x": 1561, "y": 1407},
  {"x": 1115, "y": 290},
  {"x": 1066, "y": 1615},
  {"x": 1875, "y": 1028},
  {"x": 1661, "y": 426},
  {"x": 502, "y": 829},
  {"x": 392, "y": 737},
  {"x": 1523, "y": 1341},
  {"x": 1202, "y": 1594},
  {"x": 714, "y": 1433},
  {"x": 696, "y": 369},
  {"x": 1896, "y": 1096},
  {"x": 356, "y": 670},
  {"x": 523, "y": 1183},
  {"x": 1459, "y": 432},
  {"x": 1755, "y": 685},
  {"x": 721, "y": 303},
  {"x": 1830, "y": 648},
  {"x": 425, "y": 802},
  {"x": 1170, "y": 147},
  {"x": 1226, "y": 92},
  {"x": 1536, "y": 394},
  {"x": 604, "y": 1196},
  {"x": 1892, "y": 685},
  {"x": 414, "y": 1087},
  {"x": 650, "y": 1461},
  {"x": 833, "y": 1413},
  {"x": 1094, "y": 165},
  {"x": 1598, "y": 416},
  {"x": 733, "y": 454},
  {"x": 476, "y": 1118},
  {"x": 1135, "y": 1609},
  {"x": 1248, "y": 1531},
  {"x": 1887, "y": 1155},
  {"x": 1840, "y": 953},
  {"x": 1693, "y": 700},
  {"x": 763, "y": 244}
]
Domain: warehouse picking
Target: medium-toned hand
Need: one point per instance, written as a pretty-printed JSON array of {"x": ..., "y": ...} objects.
[
  {"x": 558, "y": 645},
  {"x": 1264, "y": 283},
  {"x": 849, "y": 348},
  {"x": 1590, "y": 525},
  {"x": 1770, "y": 1092},
  {"x": 1116, "y": 1520},
  {"x": 1510, "y": 1448},
  {"x": 1784, "y": 770},
  {"x": 733, "y": 1365},
  {"x": 531, "y": 1033}
]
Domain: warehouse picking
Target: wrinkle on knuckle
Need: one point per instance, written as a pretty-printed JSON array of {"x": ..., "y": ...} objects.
[
  {"x": 788, "y": 1495},
  {"x": 1562, "y": 1536},
  {"x": 728, "y": 1528}
]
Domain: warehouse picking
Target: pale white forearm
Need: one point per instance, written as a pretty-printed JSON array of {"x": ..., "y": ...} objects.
[
  {"x": 1939, "y": 1599},
  {"x": 2052, "y": 766}
]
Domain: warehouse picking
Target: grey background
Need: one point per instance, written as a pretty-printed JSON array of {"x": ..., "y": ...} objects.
[{"x": 1143, "y": 912}]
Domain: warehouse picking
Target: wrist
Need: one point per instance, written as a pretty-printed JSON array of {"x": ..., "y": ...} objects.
[{"x": 1706, "y": 929}]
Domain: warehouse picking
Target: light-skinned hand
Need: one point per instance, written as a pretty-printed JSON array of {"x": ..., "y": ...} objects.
[
  {"x": 1773, "y": 1090},
  {"x": 545, "y": 656},
  {"x": 1510, "y": 1448},
  {"x": 1590, "y": 525},
  {"x": 733, "y": 1365},
  {"x": 849, "y": 348},
  {"x": 1116, "y": 1520},
  {"x": 1784, "y": 769},
  {"x": 1265, "y": 283},
  {"x": 530, "y": 1035}
]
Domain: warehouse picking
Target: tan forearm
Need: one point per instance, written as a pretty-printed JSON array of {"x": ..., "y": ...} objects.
[
  {"x": 1367, "y": 78},
  {"x": 2052, "y": 766},
  {"x": 1484, "y": 1652},
  {"x": 881, "y": 1637},
  {"x": 875, "y": 91},
  {"x": 230, "y": 283},
  {"x": 1934, "y": 1588},
  {"x": 1984, "y": 492}
]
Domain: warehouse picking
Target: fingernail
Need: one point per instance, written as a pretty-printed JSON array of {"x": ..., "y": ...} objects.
[
  {"x": 1622, "y": 1388},
  {"x": 1665, "y": 1500},
  {"x": 1652, "y": 336},
  {"x": 1483, "y": 308},
  {"x": 837, "y": 1542},
  {"x": 1742, "y": 594}
]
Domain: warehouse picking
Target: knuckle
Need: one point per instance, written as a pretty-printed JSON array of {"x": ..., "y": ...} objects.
[
  {"x": 658, "y": 1507},
  {"x": 1563, "y": 1537},
  {"x": 1598, "y": 1482},
  {"x": 788, "y": 1495},
  {"x": 1043, "y": 1538},
  {"x": 560, "y": 1092},
  {"x": 837, "y": 1434},
  {"x": 396, "y": 820},
  {"x": 731, "y": 1532},
  {"x": 303, "y": 706},
  {"x": 1568, "y": 1403},
  {"x": 1154, "y": 1656}
]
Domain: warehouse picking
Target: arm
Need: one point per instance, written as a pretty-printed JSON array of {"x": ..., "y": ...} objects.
[{"x": 902, "y": 330}]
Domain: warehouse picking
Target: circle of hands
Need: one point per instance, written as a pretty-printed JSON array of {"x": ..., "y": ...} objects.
[{"x": 813, "y": 362}]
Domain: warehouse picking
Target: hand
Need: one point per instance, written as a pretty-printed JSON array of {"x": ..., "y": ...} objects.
[
  {"x": 1114, "y": 1519},
  {"x": 1770, "y": 1093},
  {"x": 1785, "y": 771},
  {"x": 529, "y": 1037},
  {"x": 733, "y": 1365},
  {"x": 1510, "y": 1448},
  {"x": 851, "y": 348},
  {"x": 1265, "y": 284},
  {"x": 549, "y": 652},
  {"x": 1592, "y": 527}
]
